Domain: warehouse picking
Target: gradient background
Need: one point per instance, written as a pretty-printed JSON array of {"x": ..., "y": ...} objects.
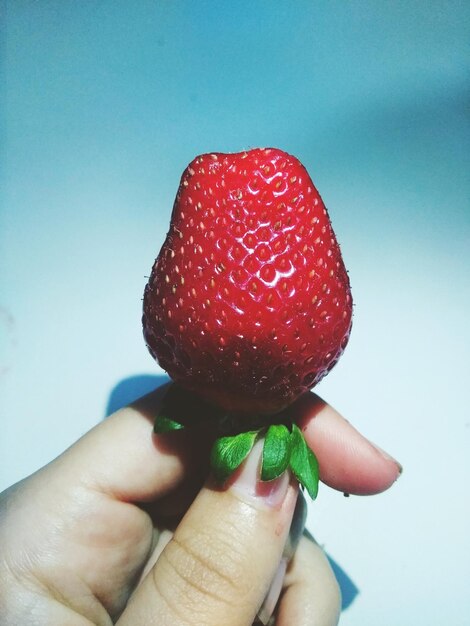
[{"x": 103, "y": 105}]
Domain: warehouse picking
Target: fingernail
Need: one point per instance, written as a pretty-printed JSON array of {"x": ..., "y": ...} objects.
[
  {"x": 248, "y": 483},
  {"x": 388, "y": 457}
]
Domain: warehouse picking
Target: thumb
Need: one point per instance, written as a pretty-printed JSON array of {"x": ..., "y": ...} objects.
[{"x": 219, "y": 565}]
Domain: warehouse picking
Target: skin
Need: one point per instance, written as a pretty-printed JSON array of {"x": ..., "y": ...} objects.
[{"x": 88, "y": 539}]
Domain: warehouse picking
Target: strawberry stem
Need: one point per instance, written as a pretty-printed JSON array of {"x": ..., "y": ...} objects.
[{"x": 284, "y": 445}]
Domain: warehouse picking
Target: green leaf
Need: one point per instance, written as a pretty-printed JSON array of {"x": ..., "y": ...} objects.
[
  {"x": 276, "y": 452},
  {"x": 229, "y": 452},
  {"x": 165, "y": 425},
  {"x": 303, "y": 462}
]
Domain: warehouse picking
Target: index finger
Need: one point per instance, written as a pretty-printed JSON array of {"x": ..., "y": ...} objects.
[{"x": 122, "y": 457}]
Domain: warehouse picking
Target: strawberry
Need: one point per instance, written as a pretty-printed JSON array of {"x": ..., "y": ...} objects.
[{"x": 248, "y": 303}]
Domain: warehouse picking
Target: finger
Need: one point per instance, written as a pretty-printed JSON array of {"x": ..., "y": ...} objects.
[
  {"x": 265, "y": 614},
  {"x": 312, "y": 596},
  {"x": 223, "y": 556},
  {"x": 123, "y": 458},
  {"x": 348, "y": 461}
]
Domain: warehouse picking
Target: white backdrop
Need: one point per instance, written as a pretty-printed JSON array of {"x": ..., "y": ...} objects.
[{"x": 105, "y": 103}]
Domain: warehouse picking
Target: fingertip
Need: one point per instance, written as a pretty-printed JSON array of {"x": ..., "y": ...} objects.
[{"x": 348, "y": 461}]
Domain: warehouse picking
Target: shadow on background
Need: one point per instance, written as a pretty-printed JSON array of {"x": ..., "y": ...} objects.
[
  {"x": 132, "y": 388},
  {"x": 349, "y": 591}
]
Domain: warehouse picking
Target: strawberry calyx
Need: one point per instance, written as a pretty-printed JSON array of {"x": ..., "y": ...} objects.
[
  {"x": 284, "y": 444},
  {"x": 283, "y": 449}
]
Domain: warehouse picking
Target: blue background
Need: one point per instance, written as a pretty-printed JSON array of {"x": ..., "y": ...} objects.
[{"x": 103, "y": 105}]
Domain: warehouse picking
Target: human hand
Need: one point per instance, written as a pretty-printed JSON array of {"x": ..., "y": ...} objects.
[{"x": 88, "y": 539}]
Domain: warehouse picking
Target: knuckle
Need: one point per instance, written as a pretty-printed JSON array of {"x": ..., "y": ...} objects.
[{"x": 197, "y": 576}]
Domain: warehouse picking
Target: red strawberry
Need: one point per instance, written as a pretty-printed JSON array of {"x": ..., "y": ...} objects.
[{"x": 248, "y": 303}]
